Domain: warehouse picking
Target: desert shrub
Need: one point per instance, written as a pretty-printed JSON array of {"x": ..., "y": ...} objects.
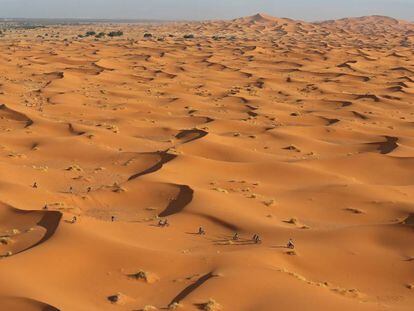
[
  {"x": 116, "y": 33},
  {"x": 211, "y": 305},
  {"x": 100, "y": 35}
]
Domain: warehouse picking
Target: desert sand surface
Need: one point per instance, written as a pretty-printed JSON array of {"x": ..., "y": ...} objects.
[{"x": 255, "y": 126}]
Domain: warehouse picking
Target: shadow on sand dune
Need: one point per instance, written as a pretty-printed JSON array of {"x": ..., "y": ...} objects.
[
  {"x": 387, "y": 146},
  {"x": 20, "y": 303},
  {"x": 26, "y": 220},
  {"x": 189, "y": 289},
  {"x": 164, "y": 158},
  {"x": 191, "y": 135},
  {"x": 185, "y": 196}
]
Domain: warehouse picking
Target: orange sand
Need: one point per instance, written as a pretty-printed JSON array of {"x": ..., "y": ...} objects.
[{"x": 259, "y": 125}]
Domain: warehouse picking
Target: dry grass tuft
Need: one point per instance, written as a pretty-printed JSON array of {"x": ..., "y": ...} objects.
[
  {"x": 5, "y": 240},
  {"x": 270, "y": 202},
  {"x": 144, "y": 276},
  {"x": 293, "y": 221},
  {"x": 7, "y": 254},
  {"x": 175, "y": 306},
  {"x": 74, "y": 167},
  {"x": 354, "y": 210},
  {"x": 220, "y": 190},
  {"x": 212, "y": 305},
  {"x": 291, "y": 253}
]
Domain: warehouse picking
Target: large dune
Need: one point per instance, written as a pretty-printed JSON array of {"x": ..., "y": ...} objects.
[{"x": 256, "y": 126}]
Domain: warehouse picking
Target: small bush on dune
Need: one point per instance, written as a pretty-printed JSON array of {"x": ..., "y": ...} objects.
[
  {"x": 100, "y": 35},
  {"x": 174, "y": 306},
  {"x": 4, "y": 240},
  {"x": 212, "y": 305},
  {"x": 144, "y": 276},
  {"x": 293, "y": 221},
  {"x": 141, "y": 275},
  {"x": 116, "y": 33},
  {"x": 7, "y": 254}
]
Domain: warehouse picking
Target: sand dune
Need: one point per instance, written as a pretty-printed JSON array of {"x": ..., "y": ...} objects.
[{"x": 115, "y": 151}]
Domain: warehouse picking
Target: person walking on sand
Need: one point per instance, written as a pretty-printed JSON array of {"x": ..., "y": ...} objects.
[
  {"x": 290, "y": 244},
  {"x": 256, "y": 239},
  {"x": 235, "y": 237},
  {"x": 201, "y": 231}
]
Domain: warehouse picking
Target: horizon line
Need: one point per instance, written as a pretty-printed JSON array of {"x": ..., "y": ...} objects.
[{"x": 155, "y": 20}]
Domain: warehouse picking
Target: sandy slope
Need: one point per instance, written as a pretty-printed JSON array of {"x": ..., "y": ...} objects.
[{"x": 258, "y": 125}]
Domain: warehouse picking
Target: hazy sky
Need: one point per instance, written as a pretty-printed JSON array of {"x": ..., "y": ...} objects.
[{"x": 205, "y": 9}]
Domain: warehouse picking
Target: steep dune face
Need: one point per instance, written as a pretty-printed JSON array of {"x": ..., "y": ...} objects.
[
  {"x": 263, "y": 19},
  {"x": 263, "y": 23},
  {"x": 169, "y": 171}
]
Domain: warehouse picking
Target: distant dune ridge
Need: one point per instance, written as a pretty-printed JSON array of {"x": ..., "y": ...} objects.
[
  {"x": 262, "y": 18},
  {"x": 259, "y": 163}
]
